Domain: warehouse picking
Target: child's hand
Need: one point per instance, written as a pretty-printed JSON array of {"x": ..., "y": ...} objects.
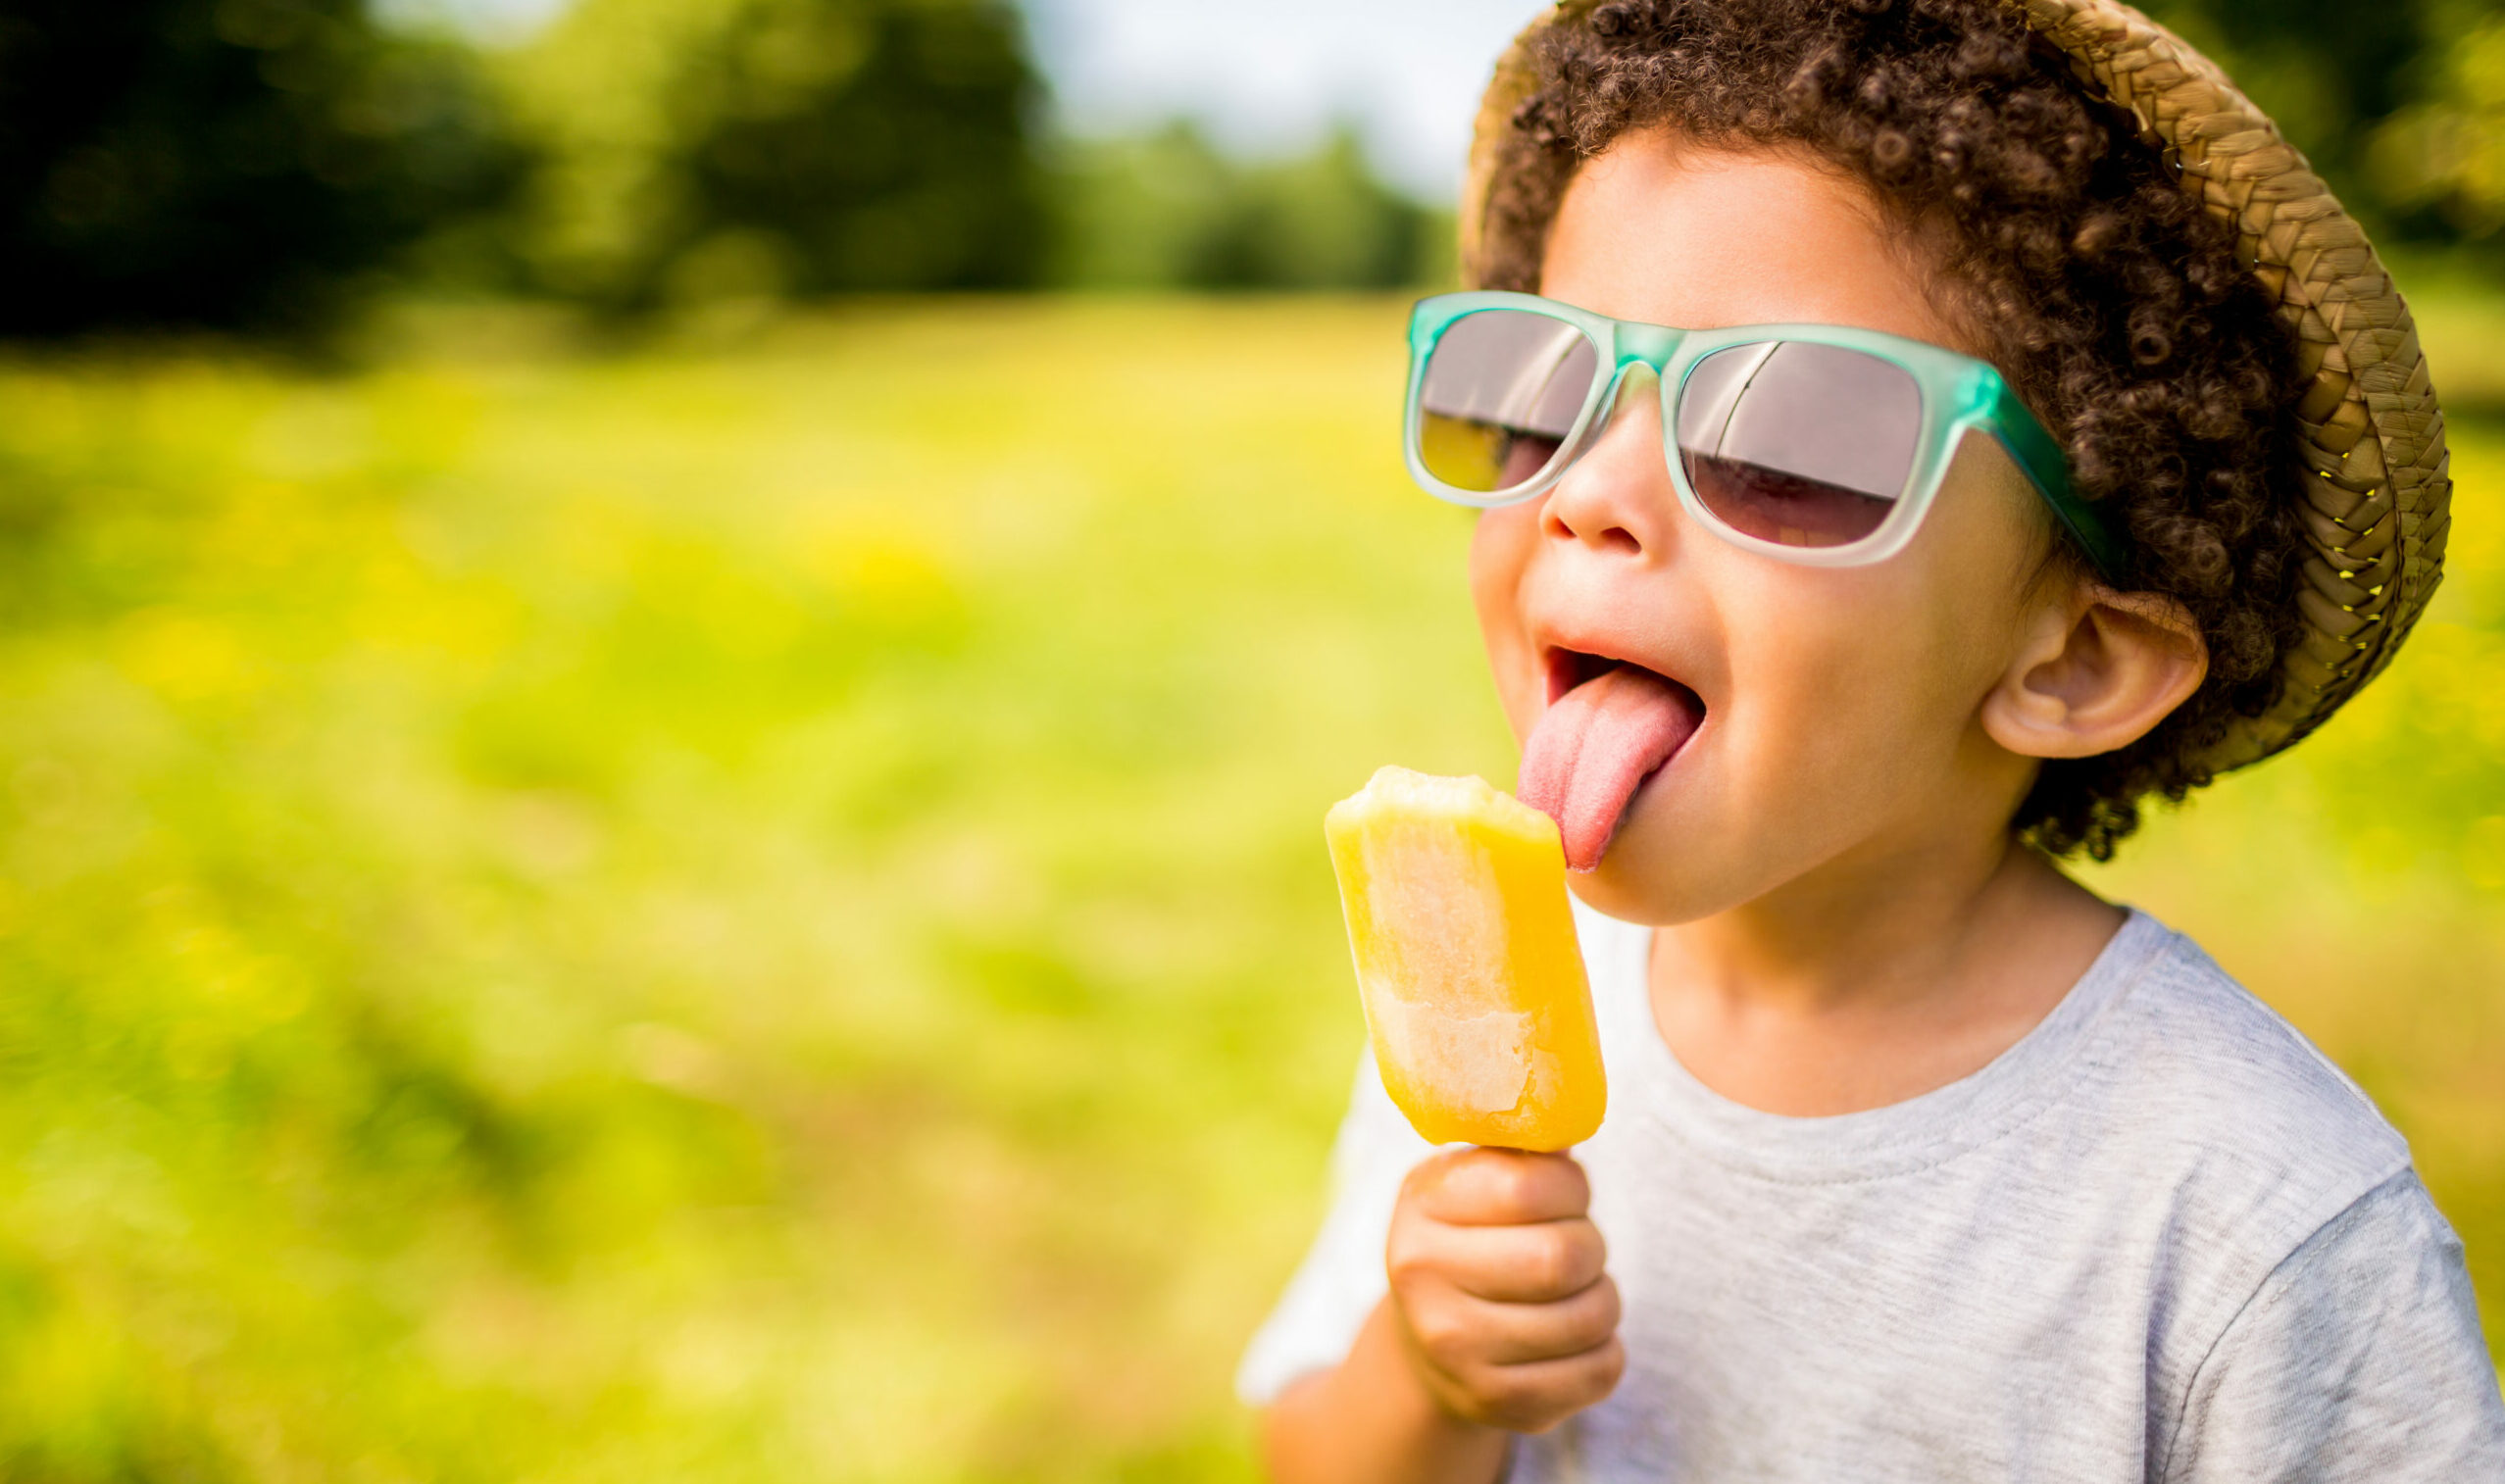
[{"x": 1497, "y": 1284}]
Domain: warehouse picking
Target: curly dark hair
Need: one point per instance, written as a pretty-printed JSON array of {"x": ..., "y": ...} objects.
[{"x": 2112, "y": 302}]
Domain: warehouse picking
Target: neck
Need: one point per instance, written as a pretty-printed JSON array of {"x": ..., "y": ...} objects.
[
  {"x": 1857, "y": 929},
  {"x": 1869, "y": 981}
]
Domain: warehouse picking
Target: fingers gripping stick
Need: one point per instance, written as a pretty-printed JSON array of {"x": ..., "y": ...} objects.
[{"x": 1499, "y": 1284}]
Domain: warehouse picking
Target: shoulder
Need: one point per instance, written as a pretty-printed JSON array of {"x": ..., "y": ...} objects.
[
  {"x": 2359, "y": 1357},
  {"x": 2210, "y": 1075},
  {"x": 2197, "y": 1118}
]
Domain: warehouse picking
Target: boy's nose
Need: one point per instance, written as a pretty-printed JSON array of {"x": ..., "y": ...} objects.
[{"x": 1617, "y": 498}]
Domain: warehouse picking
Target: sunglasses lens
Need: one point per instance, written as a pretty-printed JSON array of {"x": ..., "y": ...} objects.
[
  {"x": 1499, "y": 395},
  {"x": 1799, "y": 444}
]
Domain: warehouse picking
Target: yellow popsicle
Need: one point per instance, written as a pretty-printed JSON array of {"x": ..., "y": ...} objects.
[{"x": 1467, "y": 963}]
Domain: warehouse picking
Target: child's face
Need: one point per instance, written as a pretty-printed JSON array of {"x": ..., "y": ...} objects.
[{"x": 1842, "y": 708}]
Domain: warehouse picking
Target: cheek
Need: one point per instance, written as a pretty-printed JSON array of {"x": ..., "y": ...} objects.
[
  {"x": 1500, "y": 554},
  {"x": 1852, "y": 687},
  {"x": 1872, "y": 679}
]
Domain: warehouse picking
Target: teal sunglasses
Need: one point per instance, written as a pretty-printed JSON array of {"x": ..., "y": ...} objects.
[{"x": 1812, "y": 443}]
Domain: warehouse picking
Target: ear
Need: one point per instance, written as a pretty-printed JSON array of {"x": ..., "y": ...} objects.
[{"x": 2097, "y": 671}]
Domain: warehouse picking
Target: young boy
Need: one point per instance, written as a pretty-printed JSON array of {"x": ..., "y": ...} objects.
[{"x": 2042, "y": 438}]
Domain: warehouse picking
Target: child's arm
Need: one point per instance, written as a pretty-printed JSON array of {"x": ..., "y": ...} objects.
[{"x": 1499, "y": 1320}]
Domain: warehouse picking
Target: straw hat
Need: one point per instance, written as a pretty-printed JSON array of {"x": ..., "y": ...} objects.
[{"x": 2378, "y": 495}]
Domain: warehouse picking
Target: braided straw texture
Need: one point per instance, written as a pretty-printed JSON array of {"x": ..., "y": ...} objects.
[{"x": 2378, "y": 495}]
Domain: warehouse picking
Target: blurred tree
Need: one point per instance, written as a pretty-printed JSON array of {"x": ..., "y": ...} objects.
[
  {"x": 2318, "y": 66},
  {"x": 2444, "y": 155},
  {"x": 1166, "y": 210},
  {"x": 223, "y": 164},
  {"x": 1143, "y": 211},
  {"x": 1324, "y": 221},
  {"x": 2401, "y": 110},
  {"x": 701, "y": 149}
]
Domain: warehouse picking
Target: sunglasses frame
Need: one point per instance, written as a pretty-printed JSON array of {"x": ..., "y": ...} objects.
[{"x": 1959, "y": 394}]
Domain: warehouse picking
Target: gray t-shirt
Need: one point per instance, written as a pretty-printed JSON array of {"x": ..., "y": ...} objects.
[{"x": 2160, "y": 1238}]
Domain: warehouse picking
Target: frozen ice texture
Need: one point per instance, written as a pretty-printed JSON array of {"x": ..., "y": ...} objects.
[{"x": 1466, "y": 963}]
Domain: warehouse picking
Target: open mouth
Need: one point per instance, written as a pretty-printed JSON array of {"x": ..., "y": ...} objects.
[{"x": 1610, "y": 726}]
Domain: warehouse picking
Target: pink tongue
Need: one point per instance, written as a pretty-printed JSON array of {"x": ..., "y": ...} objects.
[{"x": 1594, "y": 746}]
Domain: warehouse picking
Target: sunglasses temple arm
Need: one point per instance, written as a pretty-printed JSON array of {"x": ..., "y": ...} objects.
[{"x": 2035, "y": 453}]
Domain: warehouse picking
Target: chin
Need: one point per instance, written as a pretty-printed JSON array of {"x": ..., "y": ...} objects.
[
  {"x": 1694, "y": 848},
  {"x": 1653, "y": 888}
]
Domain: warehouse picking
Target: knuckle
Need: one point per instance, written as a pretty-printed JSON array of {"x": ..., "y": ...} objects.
[
  {"x": 1551, "y": 1262},
  {"x": 1574, "y": 1187},
  {"x": 1418, "y": 1186},
  {"x": 1590, "y": 1253},
  {"x": 1407, "y": 1267},
  {"x": 1506, "y": 1394},
  {"x": 1588, "y": 1335},
  {"x": 1591, "y": 1321},
  {"x": 1609, "y": 1369},
  {"x": 1609, "y": 1308},
  {"x": 1509, "y": 1188},
  {"x": 1404, "y": 1248},
  {"x": 1441, "y": 1335},
  {"x": 1469, "y": 1399},
  {"x": 1564, "y": 1263},
  {"x": 1433, "y": 1176},
  {"x": 1520, "y": 1403}
]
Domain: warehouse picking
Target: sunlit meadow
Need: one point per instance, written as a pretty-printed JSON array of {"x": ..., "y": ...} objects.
[{"x": 753, "y": 909}]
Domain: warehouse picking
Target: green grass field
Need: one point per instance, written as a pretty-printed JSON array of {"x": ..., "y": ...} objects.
[{"x": 755, "y": 911}]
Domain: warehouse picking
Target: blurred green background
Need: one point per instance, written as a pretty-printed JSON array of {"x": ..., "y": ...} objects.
[{"x": 622, "y": 859}]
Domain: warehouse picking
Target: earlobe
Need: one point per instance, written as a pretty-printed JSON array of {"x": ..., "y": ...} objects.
[{"x": 2100, "y": 672}]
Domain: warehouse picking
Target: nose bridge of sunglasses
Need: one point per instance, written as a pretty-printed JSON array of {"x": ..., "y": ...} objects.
[
  {"x": 1633, "y": 388},
  {"x": 1649, "y": 343}
]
